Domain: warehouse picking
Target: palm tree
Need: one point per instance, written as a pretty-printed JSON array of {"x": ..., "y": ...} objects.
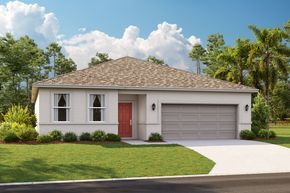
[
  {"x": 196, "y": 54},
  {"x": 234, "y": 60},
  {"x": 267, "y": 58}
]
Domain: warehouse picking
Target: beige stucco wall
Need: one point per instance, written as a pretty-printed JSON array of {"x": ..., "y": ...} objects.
[
  {"x": 157, "y": 97},
  {"x": 79, "y": 121},
  {"x": 145, "y": 120}
]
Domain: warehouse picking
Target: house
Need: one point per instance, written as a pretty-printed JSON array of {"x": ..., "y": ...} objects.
[{"x": 134, "y": 98}]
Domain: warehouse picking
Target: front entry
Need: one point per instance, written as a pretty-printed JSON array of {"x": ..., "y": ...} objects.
[{"x": 125, "y": 120}]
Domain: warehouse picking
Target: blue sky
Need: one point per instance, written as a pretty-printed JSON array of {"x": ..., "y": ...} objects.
[{"x": 197, "y": 18}]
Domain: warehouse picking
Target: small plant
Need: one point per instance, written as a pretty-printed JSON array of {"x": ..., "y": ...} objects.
[
  {"x": 99, "y": 136},
  {"x": 27, "y": 134},
  {"x": 44, "y": 138},
  {"x": 272, "y": 134},
  {"x": 21, "y": 115},
  {"x": 260, "y": 114},
  {"x": 247, "y": 134},
  {"x": 113, "y": 137},
  {"x": 56, "y": 135},
  {"x": 266, "y": 134},
  {"x": 8, "y": 136},
  {"x": 85, "y": 137},
  {"x": 70, "y": 137},
  {"x": 155, "y": 137}
]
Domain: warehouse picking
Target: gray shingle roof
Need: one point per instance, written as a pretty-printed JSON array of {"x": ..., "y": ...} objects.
[{"x": 132, "y": 73}]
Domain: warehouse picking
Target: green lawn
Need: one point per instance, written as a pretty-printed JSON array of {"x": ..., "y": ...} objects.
[
  {"x": 283, "y": 136},
  {"x": 20, "y": 162}
]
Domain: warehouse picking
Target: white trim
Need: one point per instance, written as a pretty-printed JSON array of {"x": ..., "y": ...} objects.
[
  {"x": 103, "y": 99},
  {"x": 248, "y": 90},
  {"x": 54, "y": 107}
]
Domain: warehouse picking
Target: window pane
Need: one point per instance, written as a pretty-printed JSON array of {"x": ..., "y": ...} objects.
[
  {"x": 96, "y": 114},
  {"x": 62, "y": 114},
  {"x": 61, "y": 100},
  {"x": 95, "y": 100}
]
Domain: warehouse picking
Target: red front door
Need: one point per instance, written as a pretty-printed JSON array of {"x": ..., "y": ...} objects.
[{"x": 125, "y": 119}]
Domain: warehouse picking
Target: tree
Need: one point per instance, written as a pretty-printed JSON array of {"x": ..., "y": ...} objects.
[
  {"x": 215, "y": 46},
  {"x": 260, "y": 114},
  {"x": 99, "y": 58},
  {"x": 21, "y": 64},
  {"x": 59, "y": 63},
  {"x": 155, "y": 60},
  {"x": 268, "y": 57},
  {"x": 234, "y": 60},
  {"x": 280, "y": 101},
  {"x": 196, "y": 54},
  {"x": 287, "y": 29}
]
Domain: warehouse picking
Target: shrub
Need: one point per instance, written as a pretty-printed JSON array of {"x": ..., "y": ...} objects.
[
  {"x": 56, "y": 135},
  {"x": 8, "y": 136},
  {"x": 155, "y": 137},
  {"x": 247, "y": 134},
  {"x": 266, "y": 134},
  {"x": 70, "y": 137},
  {"x": 260, "y": 114},
  {"x": 113, "y": 137},
  {"x": 44, "y": 138},
  {"x": 21, "y": 115},
  {"x": 85, "y": 137},
  {"x": 25, "y": 133},
  {"x": 99, "y": 136},
  {"x": 272, "y": 134}
]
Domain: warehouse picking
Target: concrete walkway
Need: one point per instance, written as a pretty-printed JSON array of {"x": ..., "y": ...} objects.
[{"x": 241, "y": 156}]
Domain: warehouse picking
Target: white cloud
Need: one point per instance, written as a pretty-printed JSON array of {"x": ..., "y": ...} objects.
[
  {"x": 166, "y": 42},
  {"x": 21, "y": 19}
]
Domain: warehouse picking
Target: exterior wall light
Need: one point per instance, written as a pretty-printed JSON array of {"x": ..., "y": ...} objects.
[
  {"x": 246, "y": 107},
  {"x": 153, "y": 107}
]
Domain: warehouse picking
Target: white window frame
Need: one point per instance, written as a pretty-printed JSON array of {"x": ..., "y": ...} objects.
[
  {"x": 103, "y": 99},
  {"x": 57, "y": 107}
]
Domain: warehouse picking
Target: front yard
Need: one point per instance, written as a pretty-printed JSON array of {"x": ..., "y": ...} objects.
[
  {"x": 21, "y": 162},
  {"x": 283, "y": 136}
]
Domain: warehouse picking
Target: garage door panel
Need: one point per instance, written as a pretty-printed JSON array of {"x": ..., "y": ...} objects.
[{"x": 186, "y": 121}]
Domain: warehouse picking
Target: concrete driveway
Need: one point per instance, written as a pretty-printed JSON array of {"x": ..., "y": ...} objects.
[{"x": 241, "y": 156}]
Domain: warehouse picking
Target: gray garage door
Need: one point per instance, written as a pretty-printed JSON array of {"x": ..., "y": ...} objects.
[{"x": 187, "y": 121}]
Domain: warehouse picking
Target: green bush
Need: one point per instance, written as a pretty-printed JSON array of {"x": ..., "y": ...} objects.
[
  {"x": 70, "y": 137},
  {"x": 25, "y": 133},
  {"x": 260, "y": 114},
  {"x": 272, "y": 134},
  {"x": 8, "y": 136},
  {"x": 266, "y": 134},
  {"x": 155, "y": 137},
  {"x": 99, "y": 136},
  {"x": 22, "y": 131},
  {"x": 247, "y": 134},
  {"x": 56, "y": 135},
  {"x": 21, "y": 115},
  {"x": 113, "y": 137},
  {"x": 85, "y": 137},
  {"x": 44, "y": 138}
]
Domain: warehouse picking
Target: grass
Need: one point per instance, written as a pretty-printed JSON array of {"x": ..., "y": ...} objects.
[
  {"x": 283, "y": 136},
  {"x": 23, "y": 162}
]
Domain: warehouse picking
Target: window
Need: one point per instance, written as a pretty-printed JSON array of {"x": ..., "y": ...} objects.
[
  {"x": 61, "y": 107},
  {"x": 96, "y": 107}
]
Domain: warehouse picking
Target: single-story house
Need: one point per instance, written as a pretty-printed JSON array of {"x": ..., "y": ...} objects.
[{"x": 134, "y": 98}]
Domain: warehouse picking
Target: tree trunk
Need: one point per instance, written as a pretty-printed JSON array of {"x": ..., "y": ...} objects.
[
  {"x": 267, "y": 78},
  {"x": 198, "y": 70}
]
